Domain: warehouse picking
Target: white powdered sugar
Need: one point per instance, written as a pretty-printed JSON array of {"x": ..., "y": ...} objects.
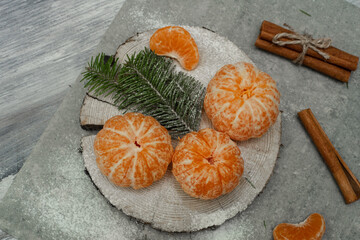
[
  {"x": 164, "y": 204},
  {"x": 5, "y": 184}
]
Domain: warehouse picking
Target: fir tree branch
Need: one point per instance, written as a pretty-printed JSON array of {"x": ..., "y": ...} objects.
[{"x": 149, "y": 84}]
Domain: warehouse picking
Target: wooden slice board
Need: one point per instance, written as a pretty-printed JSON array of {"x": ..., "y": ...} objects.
[{"x": 164, "y": 204}]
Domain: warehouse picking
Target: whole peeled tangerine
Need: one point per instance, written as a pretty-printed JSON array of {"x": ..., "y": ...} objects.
[
  {"x": 242, "y": 101},
  {"x": 133, "y": 150},
  {"x": 207, "y": 164}
]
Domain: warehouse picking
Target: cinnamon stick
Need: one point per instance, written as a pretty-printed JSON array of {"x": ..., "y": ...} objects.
[
  {"x": 311, "y": 62},
  {"x": 347, "y": 182},
  {"x": 337, "y": 57}
]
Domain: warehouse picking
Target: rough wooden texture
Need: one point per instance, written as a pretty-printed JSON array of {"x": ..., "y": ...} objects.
[
  {"x": 94, "y": 112},
  {"x": 167, "y": 207},
  {"x": 39, "y": 39},
  {"x": 52, "y": 198},
  {"x": 44, "y": 47},
  {"x": 215, "y": 51},
  {"x": 164, "y": 204}
]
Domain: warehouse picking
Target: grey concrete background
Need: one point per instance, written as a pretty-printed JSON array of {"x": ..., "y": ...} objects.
[{"x": 301, "y": 183}]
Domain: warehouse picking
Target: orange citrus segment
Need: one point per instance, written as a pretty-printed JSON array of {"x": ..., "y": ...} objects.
[
  {"x": 133, "y": 150},
  {"x": 242, "y": 101},
  {"x": 177, "y": 43},
  {"x": 312, "y": 228},
  {"x": 207, "y": 164}
]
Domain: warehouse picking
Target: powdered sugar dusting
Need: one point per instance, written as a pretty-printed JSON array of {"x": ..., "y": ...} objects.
[
  {"x": 215, "y": 51},
  {"x": 150, "y": 21},
  {"x": 5, "y": 184},
  {"x": 164, "y": 204}
]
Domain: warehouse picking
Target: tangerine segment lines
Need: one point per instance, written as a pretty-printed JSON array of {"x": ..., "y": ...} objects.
[
  {"x": 133, "y": 150},
  {"x": 242, "y": 101},
  {"x": 312, "y": 228},
  {"x": 177, "y": 43},
  {"x": 207, "y": 164}
]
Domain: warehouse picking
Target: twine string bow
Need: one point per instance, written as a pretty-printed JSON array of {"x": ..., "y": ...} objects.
[{"x": 305, "y": 40}]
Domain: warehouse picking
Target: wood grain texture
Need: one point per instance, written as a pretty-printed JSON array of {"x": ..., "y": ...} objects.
[
  {"x": 94, "y": 112},
  {"x": 164, "y": 204},
  {"x": 44, "y": 47},
  {"x": 18, "y": 17},
  {"x": 5, "y": 236},
  {"x": 167, "y": 207}
]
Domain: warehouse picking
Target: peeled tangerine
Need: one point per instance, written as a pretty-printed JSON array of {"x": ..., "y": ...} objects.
[
  {"x": 133, "y": 150},
  {"x": 242, "y": 101},
  {"x": 207, "y": 164},
  {"x": 176, "y": 42},
  {"x": 312, "y": 228}
]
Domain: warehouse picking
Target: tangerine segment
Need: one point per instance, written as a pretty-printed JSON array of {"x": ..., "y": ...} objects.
[
  {"x": 312, "y": 228},
  {"x": 207, "y": 164},
  {"x": 242, "y": 101},
  {"x": 176, "y": 42},
  {"x": 133, "y": 150}
]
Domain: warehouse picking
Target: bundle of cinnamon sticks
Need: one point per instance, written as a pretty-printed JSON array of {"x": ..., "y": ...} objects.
[{"x": 339, "y": 64}]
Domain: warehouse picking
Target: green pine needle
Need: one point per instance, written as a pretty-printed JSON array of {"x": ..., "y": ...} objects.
[
  {"x": 302, "y": 11},
  {"x": 149, "y": 84},
  {"x": 250, "y": 182}
]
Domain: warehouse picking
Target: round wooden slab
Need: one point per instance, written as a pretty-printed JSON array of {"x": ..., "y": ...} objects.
[{"x": 164, "y": 204}]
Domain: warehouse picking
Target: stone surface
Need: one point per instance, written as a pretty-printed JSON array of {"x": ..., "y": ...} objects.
[{"x": 52, "y": 198}]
